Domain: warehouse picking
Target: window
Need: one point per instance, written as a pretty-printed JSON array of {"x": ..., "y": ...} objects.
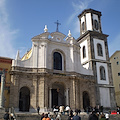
[
  {"x": 119, "y": 74},
  {"x": 96, "y": 24},
  {"x": 99, "y": 49},
  {"x": 83, "y": 26},
  {"x": 117, "y": 62},
  {"x": 84, "y": 52},
  {"x": 102, "y": 73},
  {"x": 0, "y": 78},
  {"x": 57, "y": 61}
]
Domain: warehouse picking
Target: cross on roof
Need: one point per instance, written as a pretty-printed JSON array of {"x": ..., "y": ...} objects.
[{"x": 57, "y": 25}]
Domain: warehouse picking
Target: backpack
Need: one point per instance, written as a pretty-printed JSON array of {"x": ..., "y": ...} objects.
[{"x": 6, "y": 116}]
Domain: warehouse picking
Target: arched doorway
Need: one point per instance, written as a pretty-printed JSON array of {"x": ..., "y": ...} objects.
[
  {"x": 24, "y": 99},
  {"x": 86, "y": 100},
  {"x": 58, "y": 94}
]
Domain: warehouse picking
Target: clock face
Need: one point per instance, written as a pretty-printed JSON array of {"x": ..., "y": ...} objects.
[{"x": 58, "y": 39}]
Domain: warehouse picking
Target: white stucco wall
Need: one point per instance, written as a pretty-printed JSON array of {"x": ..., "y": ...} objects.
[
  {"x": 84, "y": 43},
  {"x": 96, "y": 41},
  {"x": 104, "y": 97},
  {"x": 86, "y": 65},
  {"x": 98, "y": 64},
  {"x": 88, "y": 21},
  {"x": 43, "y": 49},
  {"x": 55, "y": 47}
]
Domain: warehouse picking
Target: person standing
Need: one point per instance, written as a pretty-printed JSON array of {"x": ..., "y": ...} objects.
[
  {"x": 38, "y": 109},
  {"x": 6, "y": 116},
  {"x": 67, "y": 109},
  {"x": 42, "y": 116},
  {"x": 93, "y": 116},
  {"x": 70, "y": 116},
  {"x": 102, "y": 117},
  {"x": 76, "y": 117},
  {"x": 61, "y": 109},
  {"x": 46, "y": 117}
]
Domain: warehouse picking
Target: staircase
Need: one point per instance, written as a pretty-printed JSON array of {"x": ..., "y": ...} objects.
[
  {"x": 26, "y": 116},
  {"x": 2, "y": 112},
  {"x": 35, "y": 116}
]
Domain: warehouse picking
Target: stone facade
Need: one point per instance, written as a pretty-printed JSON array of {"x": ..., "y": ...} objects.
[{"x": 53, "y": 73}]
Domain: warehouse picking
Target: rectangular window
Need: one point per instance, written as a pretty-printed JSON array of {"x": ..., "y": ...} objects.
[
  {"x": 119, "y": 86},
  {"x": 118, "y": 74},
  {"x": 0, "y": 78}
]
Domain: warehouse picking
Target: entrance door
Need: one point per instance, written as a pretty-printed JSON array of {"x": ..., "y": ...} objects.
[
  {"x": 24, "y": 99},
  {"x": 86, "y": 100},
  {"x": 54, "y": 97},
  {"x": 58, "y": 95}
]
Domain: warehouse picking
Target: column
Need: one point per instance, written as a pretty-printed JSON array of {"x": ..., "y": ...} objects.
[
  {"x": 50, "y": 97},
  {"x": 2, "y": 90},
  {"x": 67, "y": 96},
  {"x": 74, "y": 94}
]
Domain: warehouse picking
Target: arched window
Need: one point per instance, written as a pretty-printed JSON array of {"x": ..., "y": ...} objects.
[
  {"x": 102, "y": 73},
  {"x": 99, "y": 50},
  {"x": 96, "y": 24},
  {"x": 84, "y": 52},
  {"x": 57, "y": 61},
  {"x": 83, "y": 26}
]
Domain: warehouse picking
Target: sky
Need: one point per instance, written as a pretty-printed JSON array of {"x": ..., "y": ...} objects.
[{"x": 21, "y": 20}]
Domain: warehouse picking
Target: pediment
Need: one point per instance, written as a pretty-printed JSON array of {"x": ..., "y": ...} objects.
[{"x": 57, "y": 36}]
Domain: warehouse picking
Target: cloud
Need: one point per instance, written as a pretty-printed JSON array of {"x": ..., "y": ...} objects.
[
  {"x": 7, "y": 35},
  {"x": 114, "y": 45},
  {"x": 78, "y": 6}
]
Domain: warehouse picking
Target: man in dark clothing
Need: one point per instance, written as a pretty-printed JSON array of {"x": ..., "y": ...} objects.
[
  {"x": 93, "y": 116},
  {"x": 76, "y": 117},
  {"x": 38, "y": 109},
  {"x": 6, "y": 116}
]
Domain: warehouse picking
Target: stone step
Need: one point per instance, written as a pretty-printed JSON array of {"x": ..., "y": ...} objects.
[
  {"x": 35, "y": 116},
  {"x": 2, "y": 112}
]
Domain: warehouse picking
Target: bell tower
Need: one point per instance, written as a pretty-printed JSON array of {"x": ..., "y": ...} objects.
[
  {"x": 90, "y": 20},
  {"x": 95, "y": 56}
]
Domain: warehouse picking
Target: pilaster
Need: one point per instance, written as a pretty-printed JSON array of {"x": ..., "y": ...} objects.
[{"x": 2, "y": 90}]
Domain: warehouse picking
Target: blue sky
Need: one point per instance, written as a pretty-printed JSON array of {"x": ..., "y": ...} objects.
[{"x": 20, "y": 20}]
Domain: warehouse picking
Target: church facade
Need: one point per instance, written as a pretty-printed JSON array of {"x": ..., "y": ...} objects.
[{"x": 60, "y": 70}]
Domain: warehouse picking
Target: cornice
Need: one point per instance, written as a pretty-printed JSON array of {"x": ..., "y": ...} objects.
[
  {"x": 89, "y": 11},
  {"x": 91, "y": 33},
  {"x": 50, "y": 72}
]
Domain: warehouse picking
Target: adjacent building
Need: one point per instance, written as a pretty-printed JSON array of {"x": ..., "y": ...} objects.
[
  {"x": 5, "y": 65},
  {"x": 62, "y": 70},
  {"x": 115, "y": 64}
]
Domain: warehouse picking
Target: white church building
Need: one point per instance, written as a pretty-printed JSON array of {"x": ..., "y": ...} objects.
[{"x": 62, "y": 70}]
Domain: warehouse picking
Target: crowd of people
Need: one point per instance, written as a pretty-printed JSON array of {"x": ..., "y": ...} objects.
[{"x": 95, "y": 113}]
